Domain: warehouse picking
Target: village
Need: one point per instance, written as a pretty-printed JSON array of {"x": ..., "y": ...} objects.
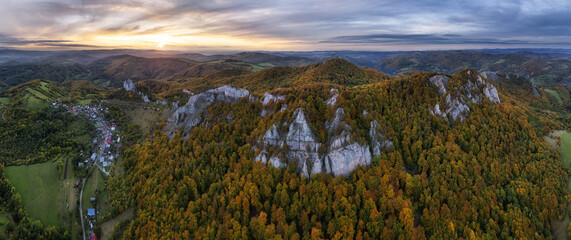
[{"x": 102, "y": 156}]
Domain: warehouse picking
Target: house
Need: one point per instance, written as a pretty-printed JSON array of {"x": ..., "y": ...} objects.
[
  {"x": 93, "y": 236},
  {"x": 92, "y": 199},
  {"x": 91, "y": 212},
  {"x": 93, "y": 156}
]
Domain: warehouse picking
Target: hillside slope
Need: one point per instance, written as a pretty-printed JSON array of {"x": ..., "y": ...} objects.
[{"x": 262, "y": 167}]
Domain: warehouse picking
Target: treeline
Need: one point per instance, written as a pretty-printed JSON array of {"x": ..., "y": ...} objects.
[{"x": 490, "y": 176}]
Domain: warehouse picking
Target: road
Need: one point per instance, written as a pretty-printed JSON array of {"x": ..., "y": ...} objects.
[
  {"x": 102, "y": 147},
  {"x": 81, "y": 208},
  {"x": 2, "y": 105}
]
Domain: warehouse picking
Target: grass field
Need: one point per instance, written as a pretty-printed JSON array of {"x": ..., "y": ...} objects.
[
  {"x": 565, "y": 148},
  {"x": 560, "y": 227},
  {"x": 95, "y": 187},
  {"x": 85, "y": 102},
  {"x": 4, "y": 100},
  {"x": 45, "y": 195},
  {"x": 37, "y": 94},
  {"x": 34, "y": 103},
  {"x": 107, "y": 227},
  {"x": 555, "y": 94},
  {"x": 38, "y": 185}
]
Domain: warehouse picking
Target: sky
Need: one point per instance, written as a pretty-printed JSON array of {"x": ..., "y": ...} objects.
[{"x": 279, "y": 25}]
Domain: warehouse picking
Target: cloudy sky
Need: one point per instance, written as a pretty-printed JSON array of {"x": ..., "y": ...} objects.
[{"x": 285, "y": 25}]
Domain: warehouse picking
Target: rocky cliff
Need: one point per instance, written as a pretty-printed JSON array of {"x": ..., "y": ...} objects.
[
  {"x": 301, "y": 146},
  {"x": 130, "y": 86},
  {"x": 472, "y": 90},
  {"x": 192, "y": 112}
]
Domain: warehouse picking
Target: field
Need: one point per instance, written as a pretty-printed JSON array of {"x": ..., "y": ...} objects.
[
  {"x": 565, "y": 148},
  {"x": 95, "y": 187},
  {"x": 85, "y": 102},
  {"x": 45, "y": 195},
  {"x": 560, "y": 227},
  {"x": 34, "y": 103},
  {"x": 37, "y": 184},
  {"x": 107, "y": 227},
  {"x": 4, "y": 100},
  {"x": 555, "y": 94}
]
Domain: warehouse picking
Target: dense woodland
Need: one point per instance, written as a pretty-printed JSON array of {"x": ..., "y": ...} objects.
[
  {"x": 30, "y": 137},
  {"x": 490, "y": 176}
]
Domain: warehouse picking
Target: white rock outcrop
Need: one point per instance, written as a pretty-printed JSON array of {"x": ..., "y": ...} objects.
[
  {"x": 268, "y": 97},
  {"x": 301, "y": 142},
  {"x": 491, "y": 93},
  {"x": 440, "y": 82},
  {"x": 341, "y": 157},
  {"x": 491, "y": 75},
  {"x": 333, "y": 100},
  {"x": 190, "y": 114},
  {"x": 378, "y": 141},
  {"x": 129, "y": 85},
  {"x": 456, "y": 108},
  {"x": 472, "y": 91}
]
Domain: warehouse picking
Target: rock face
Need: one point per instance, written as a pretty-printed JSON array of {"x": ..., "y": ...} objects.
[
  {"x": 491, "y": 93},
  {"x": 440, "y": 82},
  {"x": 534, "y": 90},
  {"x": 491, "y": 75},
  {"x": 342, "y": 155},
  {"x": 129, "y": 85},
  {"x": 301, "y": 142},
  {"x": 456, "y": 108},
  {"x": 378, "y": 141},
  {"x": 472, "y": 91},
  {"x": 190, "y": 114},
  {"x": 333, "y": 100},
  {"x": 268, "y": 97}
]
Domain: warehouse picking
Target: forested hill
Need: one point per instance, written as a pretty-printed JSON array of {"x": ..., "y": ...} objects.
[{"x": 345, "y": 153}]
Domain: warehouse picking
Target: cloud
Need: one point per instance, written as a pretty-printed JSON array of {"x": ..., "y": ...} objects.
[
  {"x": 15, "y": 42},
  {"x": 307, "y": 23}
]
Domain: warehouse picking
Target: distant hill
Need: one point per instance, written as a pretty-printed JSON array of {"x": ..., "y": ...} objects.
[
  {"x": 117, "y": 69},
  {"x": 537, "y": 67},
  {"x": 57, "y": 71},
  {"x": 252, "y": 57}
]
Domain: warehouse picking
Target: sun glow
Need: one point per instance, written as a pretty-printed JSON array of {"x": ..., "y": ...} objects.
[{"x": 178, "y": 41}]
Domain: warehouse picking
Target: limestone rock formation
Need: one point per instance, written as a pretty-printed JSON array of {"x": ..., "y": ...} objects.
[
  {"x": 491, "y": 93},
  {"x": 333, "y": 100},
  {"x": 342, "y": 155},
  {"x": 378, "y": 141},
  {"x": 129, "y": 85},
  {"x": 301, "y": 142},
  {"x": 472, "y": 91},
  {"x": 440, "y": 82},
  {"x": 268, "y": 97},
  {"x": 456, "y": 108},
  {"x": 491, "y": 75},
  {"x": 190, "y": 114}
]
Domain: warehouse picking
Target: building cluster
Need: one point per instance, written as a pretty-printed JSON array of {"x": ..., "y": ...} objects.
[{"x": 106, "y": 142}]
